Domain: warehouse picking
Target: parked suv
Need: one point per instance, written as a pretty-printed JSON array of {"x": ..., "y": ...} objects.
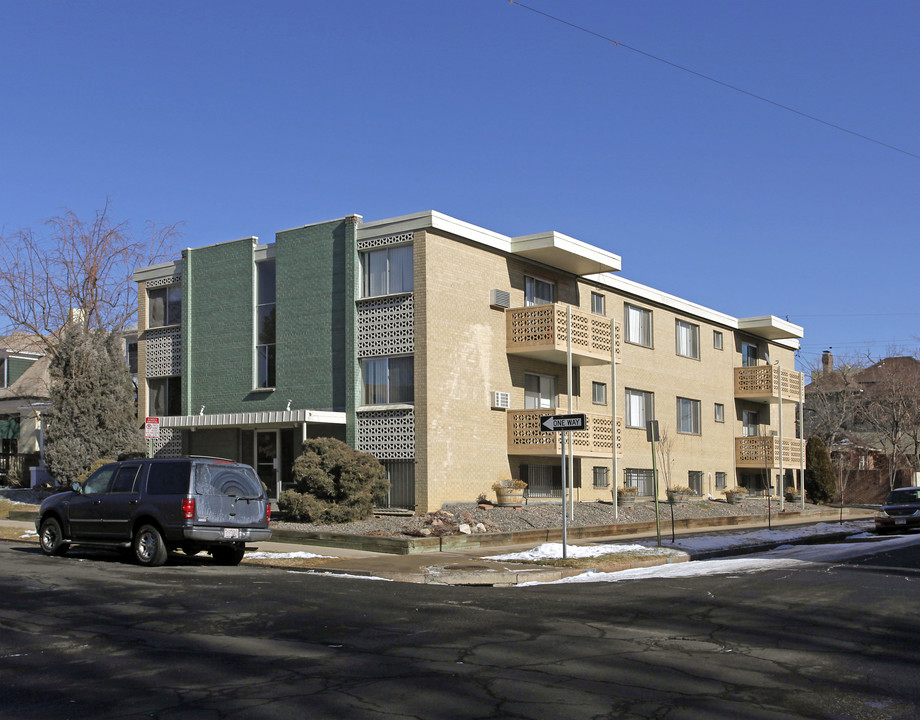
[
  {"x": 153, "y": 506},
  {"x": 901, "y": 511}
]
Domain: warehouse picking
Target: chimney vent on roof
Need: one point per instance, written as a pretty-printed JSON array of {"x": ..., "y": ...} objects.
[{"x": 827, "y": 361}]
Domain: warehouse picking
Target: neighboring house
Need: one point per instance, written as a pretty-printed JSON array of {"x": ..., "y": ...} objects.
[
  {"x": 23, "y": 397},
  {"x": 860, "y": 449},
  {"x": 436, "y": 345}
]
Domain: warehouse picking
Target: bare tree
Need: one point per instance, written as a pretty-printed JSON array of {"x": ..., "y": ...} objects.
[
  {"x": 665, "y": 447},
  {"x": 77, "y": 270}
]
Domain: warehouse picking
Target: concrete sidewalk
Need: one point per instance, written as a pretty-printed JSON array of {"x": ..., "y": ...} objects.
[{"x": 464, "y": 565}]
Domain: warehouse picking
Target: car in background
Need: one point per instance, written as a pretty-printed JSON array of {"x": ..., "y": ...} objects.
[
  {"x": 900, "y": 512},
  {"x": 154, "y": 506}
]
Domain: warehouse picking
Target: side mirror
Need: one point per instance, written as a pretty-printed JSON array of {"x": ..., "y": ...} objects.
[{"x": 77, "y": 488}]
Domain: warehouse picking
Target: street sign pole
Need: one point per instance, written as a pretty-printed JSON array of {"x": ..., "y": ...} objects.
[
  {"x": 565, "y": 510},
  {"x": 652, "y": 432}
]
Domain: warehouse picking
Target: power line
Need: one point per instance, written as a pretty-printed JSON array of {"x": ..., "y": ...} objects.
[{"x": 711, "y": 79}]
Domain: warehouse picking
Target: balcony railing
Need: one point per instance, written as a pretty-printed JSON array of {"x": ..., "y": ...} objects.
[
  {"x": 540, "y": 332},
  {"x": 764, "y": 452},
  {"x": 526, "y": 438},
  {"x": 764, "y": 383}
]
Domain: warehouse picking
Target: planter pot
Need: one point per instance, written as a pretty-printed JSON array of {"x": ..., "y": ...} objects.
[
  {"x": 678, "y": 498},
  {"x": 794, "y": 497},
  {"x": 626, "y": 501},
  {"x": 511, "y": 498},
  {"x": 736, "y": 498}
]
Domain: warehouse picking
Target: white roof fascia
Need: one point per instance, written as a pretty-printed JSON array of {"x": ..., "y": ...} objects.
[
  {"x": 771, "y": 327},
  {"x": 156, "y": 272},
  {"x": 270, "y": 417},
  {"x": 558, "y": 250},
  {"x": 436, "y": 221}
]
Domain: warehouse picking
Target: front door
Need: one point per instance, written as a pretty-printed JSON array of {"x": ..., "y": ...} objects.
[{"x": 267, "y": 461}]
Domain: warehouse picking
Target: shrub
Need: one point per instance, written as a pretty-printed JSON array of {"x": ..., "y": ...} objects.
[
  {"x": 819, "y": 474},
  {"x": 334, "y": 483}
]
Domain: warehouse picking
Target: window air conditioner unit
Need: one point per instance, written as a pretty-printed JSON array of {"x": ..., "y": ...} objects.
[
  {"x": 499, "y": 298},
  {"x": 501, "y": 400}
]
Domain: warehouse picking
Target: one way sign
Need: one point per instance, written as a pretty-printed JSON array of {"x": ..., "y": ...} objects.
[{"x": 549, "y": 423}]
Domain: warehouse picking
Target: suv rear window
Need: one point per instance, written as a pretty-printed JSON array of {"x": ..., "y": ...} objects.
[
  {"x": 168, "y": 478},
  {"x": 230, "y": 480},
  {"x": 908, "y": 495}
]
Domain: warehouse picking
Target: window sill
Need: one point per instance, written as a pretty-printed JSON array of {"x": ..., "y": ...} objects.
[
  {"x": 163, "y": 327},
  {"x": 263, "y": 390},
  {"x": 388, "y": 406}
]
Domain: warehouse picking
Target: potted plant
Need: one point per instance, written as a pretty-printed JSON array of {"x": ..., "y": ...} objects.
[
  {"x": 679, "y": 494},
  {"x": 735, "y": 495},
  {"x": 793, "y": 495},
  {"x": 627, "y": 495},
  {"x": 509, "y": 493}
]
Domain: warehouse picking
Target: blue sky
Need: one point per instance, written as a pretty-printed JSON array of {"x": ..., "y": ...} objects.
[{"x": 245, "y": 118}]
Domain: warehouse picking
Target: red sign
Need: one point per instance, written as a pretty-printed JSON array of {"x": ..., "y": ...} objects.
[{"x": 152, "y": 428}]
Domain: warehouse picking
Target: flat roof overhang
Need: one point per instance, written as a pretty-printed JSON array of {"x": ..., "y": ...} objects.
[
  {"x": 566, "y": 253},
  {"x": 271, "y": 418},
  {"x": 771, "y": 327}
]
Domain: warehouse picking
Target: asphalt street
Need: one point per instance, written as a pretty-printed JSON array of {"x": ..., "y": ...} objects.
[{"x": 88, "y": 635}]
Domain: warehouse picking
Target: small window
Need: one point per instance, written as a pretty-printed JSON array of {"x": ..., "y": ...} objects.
[
  {"x": 165, "y": 396},
  {"x": 3, "y": 382},
  {"x": 717, "y": 339},
  {"x": 642, "y": 479},
  {"x": 639, "y": 408},
  {"x": 388, "y": 380},
  {"x": 720, "y": 412},
  {"x": 165, "y": 306},
  {"x": 538, "y": 292},
  {"x": 599, "y": 393},
  {"x": 638, "y": 325},
  {"x": 695, "y": 481},
  {"x": 598, "y": 304},
  {"x": 688, "y": 416},
  {"x": 601, "y": 477},
  {"x": 748, "y": 354},
  {"x": 720, "y": 480},
  {"x": 539, "y": 391},
  {"x": 688, "y": 340}
]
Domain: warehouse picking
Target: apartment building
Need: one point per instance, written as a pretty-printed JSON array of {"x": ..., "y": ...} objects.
[{"x": 436, "y": 345}]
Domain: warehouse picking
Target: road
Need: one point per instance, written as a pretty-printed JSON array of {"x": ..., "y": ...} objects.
[{"x": 90, "y": 636}]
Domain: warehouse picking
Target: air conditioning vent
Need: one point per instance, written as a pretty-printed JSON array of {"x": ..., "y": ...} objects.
[
  {"x": 501, "y": 400},
  {"x": 499, "y": 298}
]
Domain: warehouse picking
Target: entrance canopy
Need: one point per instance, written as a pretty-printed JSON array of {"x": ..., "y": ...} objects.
[{"x": 272, "y": 418}]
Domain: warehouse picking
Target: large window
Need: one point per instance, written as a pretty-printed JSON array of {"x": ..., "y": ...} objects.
[
  {"x": 387, "y": 271},
  {"x": 688, "y": 416},
  {"x": 748, "y": 354},
  {"x": 165, "y": 306},
  {"x": 388, "y": 380},
  {"x": 638, "y": 325},
  {"x": 640, "y": 408},
  {"x": 538, "y": 292},
  {"x": 265, "y": 324},
  {"x": 539, "y": 391},
  {"x": 688, "y": 339},
  {"x": 165, "y": 396},
  {"x": 642, "y": 479},
  {"x": 750, "y": 423}
]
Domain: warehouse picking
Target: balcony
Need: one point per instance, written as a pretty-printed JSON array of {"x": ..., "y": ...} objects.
[
  {"x": 526, "y": 438},
  {"x": 765, "y": 383},
  {"x": 763, "y": 452},
  {"x": 539, "y": 332}
]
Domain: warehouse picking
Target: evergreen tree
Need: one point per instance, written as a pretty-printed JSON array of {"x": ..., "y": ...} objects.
[
  {"x": 819, "y": 473},
  {"x": 92, "y": 415}
]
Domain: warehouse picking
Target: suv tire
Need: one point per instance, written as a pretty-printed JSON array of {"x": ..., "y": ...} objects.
[
  {"x": 228, "y": 555},
  {"x": 149, "y": 548},
  {"x": 52, "y": 537}
]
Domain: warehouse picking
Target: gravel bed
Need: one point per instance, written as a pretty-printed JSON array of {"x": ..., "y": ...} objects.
[{"x": 447, "y": 521}]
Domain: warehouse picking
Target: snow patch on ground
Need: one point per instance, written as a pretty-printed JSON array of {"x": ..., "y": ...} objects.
[{"x": 300, "y": 554}]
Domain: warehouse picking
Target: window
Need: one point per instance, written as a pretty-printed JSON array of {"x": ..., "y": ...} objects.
[
  {"x": 538, "y": 292},
  {"x": 99, "y": 481},
  {"x": 748, "y": 354},
  {"x": 599, "y": 393},
  {"x": 720, "y": 412},
  {"x": 695, "y": 481},
  {"x": 688, "y": 416},
  {"x": 598, "y": 304},
  {"x": 720, "y": 480},
  {"x": 688, "y": 340},
  {"x": 165, "y": 306},
  {"x": 124, "y": 480},
  {"x": 265, "y": 324},
  {"x": 168, "y": 478},
  {"x": 3, "y": 372},
  {"x": 638, "y": 326},
  {"x": 387, "y": 271},
  {"x": 132, "y": 357},
  {"x": 388, "y": 380},
  {"x": 601, "y": 475},
  {"x": 165, "y": 396},
  {"x": 750, "y": 422},
  {"x": 539, "y": 391},
  {"x": 717, "y": 339},
  {"x": 639, "y": 408},
  {"x": 642, "y": 479}
]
